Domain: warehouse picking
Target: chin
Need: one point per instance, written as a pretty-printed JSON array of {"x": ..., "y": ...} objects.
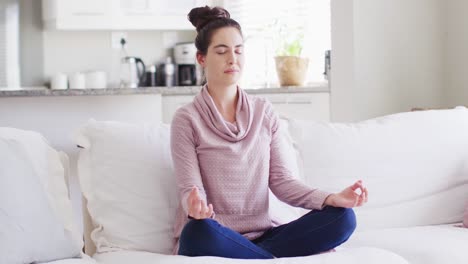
[{"x": 230, "y": 81}]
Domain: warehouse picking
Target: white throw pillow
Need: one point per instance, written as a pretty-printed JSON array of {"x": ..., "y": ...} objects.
[
  {"x": 126, "y": 175},
  {"x": 36, "y": 221},
  {"x": 414, "y": 164}
]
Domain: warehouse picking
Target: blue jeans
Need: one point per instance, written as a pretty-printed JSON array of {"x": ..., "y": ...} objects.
[{"x": 314, "y": 232}]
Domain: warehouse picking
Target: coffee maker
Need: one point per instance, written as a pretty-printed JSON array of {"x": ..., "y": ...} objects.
[{"x": 185, "y": 60}]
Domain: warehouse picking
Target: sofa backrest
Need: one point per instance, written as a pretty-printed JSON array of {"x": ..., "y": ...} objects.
[
  {"x": 414, "y": 164},
  {"x": 129, "y": 192}
]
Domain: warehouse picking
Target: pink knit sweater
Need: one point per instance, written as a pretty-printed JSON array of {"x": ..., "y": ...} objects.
[{"x": 233, "y": 165}]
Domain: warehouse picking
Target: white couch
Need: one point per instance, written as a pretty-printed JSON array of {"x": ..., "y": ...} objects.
[
  {"x": 36, "y": 220},
  {"x": 414, "y": 164}
]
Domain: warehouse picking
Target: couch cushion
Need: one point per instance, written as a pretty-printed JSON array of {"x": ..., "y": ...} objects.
[
  {"x": 414, "y": 164},
  {"x": 465, "y": 216},
  {"x": 364, "y": 255},
  {"x": 36, "y": 213},
  {"x": 419, "y": 245},
  {"x": 125, "y": 173},
  {"x": 85, "y": 259}
]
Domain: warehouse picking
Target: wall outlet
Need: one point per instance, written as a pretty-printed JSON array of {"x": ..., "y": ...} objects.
[{"x": 116, "y": 38}]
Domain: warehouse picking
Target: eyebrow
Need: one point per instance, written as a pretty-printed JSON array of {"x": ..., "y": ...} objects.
[{"x": 225, "y": 46}]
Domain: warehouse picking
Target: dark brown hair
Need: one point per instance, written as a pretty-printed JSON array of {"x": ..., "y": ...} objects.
[{"x": 207, "y": 20}]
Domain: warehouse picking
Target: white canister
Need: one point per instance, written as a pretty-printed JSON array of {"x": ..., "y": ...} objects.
[
  {"x": 77, "y": 81},
  {"x": 96, "y": 80},
  {"x": 59, "y": 81}
]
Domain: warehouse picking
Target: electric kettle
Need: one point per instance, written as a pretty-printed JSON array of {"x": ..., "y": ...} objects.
[{"x": 132, "y": 72}]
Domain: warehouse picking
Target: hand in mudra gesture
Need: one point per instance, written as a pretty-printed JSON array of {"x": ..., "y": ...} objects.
[
  {"x": 349, "y": 198},
  {"x": 197, "y": 208}
]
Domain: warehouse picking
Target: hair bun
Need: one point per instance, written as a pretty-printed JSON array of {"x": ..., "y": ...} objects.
[{"x": 201, "y": 16}]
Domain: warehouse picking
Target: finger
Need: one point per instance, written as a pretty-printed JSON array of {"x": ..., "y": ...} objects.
[
  {"x": 196, "y": 192},
  {"x": 362, "y": 197},
  {"x": 363, "y": 201},
  {"x": 356, "y": 201},
  {"x": 367, "y": 194},
  {"x": 356, "y": 185},
  {"x": 210, "y": 210},
  {"x": 190, "y": 212},
  {"x": 361, "y": 188},
  {"x": 206, "y": 212},
  {"x": 363, "y": 194},
  {"x": 192, "y": 195},
  {"x": 202, "y": 209},
  {"x": 191, "y": 208},
  {"x": 196, "y": 209}
]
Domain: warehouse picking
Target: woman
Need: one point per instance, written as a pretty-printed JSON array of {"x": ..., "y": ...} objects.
[{"x": 227, "y": 154}]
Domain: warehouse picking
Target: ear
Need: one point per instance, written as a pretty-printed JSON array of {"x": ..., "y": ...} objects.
[{"x": 201, "y": 59}]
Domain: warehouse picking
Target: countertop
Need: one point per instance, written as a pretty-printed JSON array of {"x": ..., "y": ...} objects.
[{"x": 165, "y": 91}]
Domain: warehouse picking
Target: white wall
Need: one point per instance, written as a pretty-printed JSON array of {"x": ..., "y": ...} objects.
[
  {"x": 31, "y": 44},
  {"x": 456, "y": 70},
  {"x": 70, "y": 51},
  {"x": 397, "y": 57},
  {"x": 342, "y": 83},
  {"x": 45, "y": 52}
]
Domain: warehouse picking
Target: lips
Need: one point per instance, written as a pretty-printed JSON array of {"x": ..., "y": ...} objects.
[{"x": 231, "y": 71}]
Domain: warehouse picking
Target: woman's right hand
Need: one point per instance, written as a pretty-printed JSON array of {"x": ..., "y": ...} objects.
[{"x": 197, "y": 208}]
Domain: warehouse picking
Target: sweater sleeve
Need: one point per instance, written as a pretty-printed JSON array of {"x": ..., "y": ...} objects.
[
  {"x": 184, "y": 156},
  {"x": 281, "y": 181}
]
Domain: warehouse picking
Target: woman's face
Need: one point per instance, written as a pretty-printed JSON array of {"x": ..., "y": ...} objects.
[{"x": 224, "y": 59}]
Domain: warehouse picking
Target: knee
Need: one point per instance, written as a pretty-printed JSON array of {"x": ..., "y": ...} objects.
[
  {"x": 345, "y": 222},
  {"x": 194, "y": 234},
  {"x": 197, "y": 228}
]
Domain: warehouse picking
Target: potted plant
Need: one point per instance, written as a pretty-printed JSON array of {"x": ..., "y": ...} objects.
[{"x": 290, "y": 66}]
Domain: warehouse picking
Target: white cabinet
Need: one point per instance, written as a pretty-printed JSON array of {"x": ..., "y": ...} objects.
[
  {"x": 77, "y": 15},
  {"x": 154, "y": 14},
  {"x": 119, "y": 14},
  {"x": 307, "y": 106}
]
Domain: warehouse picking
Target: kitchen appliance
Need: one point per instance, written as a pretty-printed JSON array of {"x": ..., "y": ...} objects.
[
  {"x": 169, "y": 71},
  {"x": 185, "y": 59},
  {"x": 151, "y": 76},
  {"x": 132, "y": 72}
]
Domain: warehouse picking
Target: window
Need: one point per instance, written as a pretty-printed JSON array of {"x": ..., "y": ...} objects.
[
  {"x": 9, "y": 44},
  {"x": 261, "y": 22}
]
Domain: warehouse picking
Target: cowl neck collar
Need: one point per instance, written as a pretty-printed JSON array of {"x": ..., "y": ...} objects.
[{"x": 209, "y": 112}]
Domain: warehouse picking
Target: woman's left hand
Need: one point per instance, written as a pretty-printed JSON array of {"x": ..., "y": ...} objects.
[{"x": 348, "y": 198}]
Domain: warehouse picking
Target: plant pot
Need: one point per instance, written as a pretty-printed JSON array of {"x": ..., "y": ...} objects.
[{"x": 291, "y": 70}]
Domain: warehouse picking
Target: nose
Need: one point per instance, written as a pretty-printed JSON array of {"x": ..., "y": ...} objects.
[{"x": 232, "y": 58}]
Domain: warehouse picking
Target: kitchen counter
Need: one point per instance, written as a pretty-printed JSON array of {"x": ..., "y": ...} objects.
[{"x": 165, "y": 91}]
